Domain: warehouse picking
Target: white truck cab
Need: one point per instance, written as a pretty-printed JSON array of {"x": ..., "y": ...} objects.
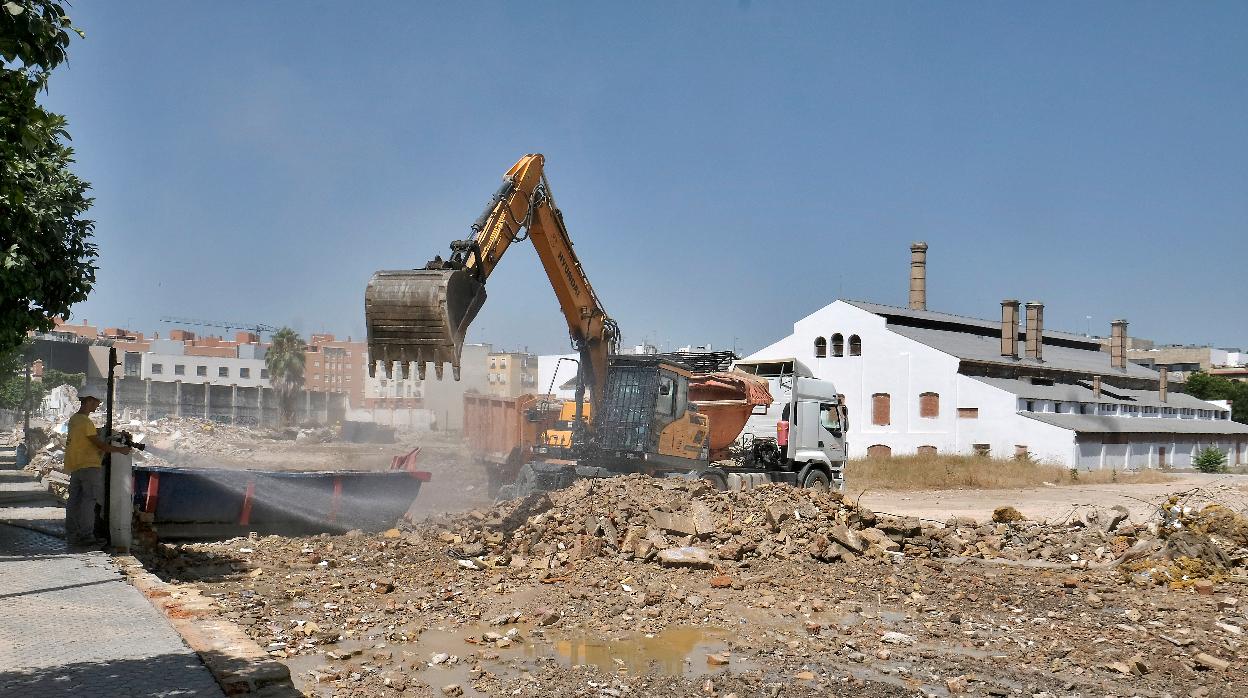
[{"x": 800, "y": 437}]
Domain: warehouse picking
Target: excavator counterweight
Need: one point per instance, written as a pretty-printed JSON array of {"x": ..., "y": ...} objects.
[{"x": 420, "y": 316}]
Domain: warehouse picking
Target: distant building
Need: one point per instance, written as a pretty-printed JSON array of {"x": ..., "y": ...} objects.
[
  {"x": 1184, "y": 360},
  {"x": 512, "y": 374},
  {"x": 1237, "y": 373},
  {"x": 411, "y": 402},
  {"x": 336, "y": 366}
]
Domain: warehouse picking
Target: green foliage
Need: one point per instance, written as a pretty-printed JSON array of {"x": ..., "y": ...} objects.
[
  {"x": 13, "y": 377},
  {"x": 53, "y": 378},
  {"x": 1209, "y": 387},
  {"x": 1210, "y": 460},
  {"x": 46, "y": 253},
  {"x": 285, "y": 361}
]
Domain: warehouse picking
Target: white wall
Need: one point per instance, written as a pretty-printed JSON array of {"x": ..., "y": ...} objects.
[
  {"x": 904, "y": 369},
  {"x": 212, "y": 363},
  {"x": 549, "y": 367}
]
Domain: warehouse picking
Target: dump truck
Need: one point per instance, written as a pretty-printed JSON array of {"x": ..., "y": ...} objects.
[{"x": 630, "y": 413}]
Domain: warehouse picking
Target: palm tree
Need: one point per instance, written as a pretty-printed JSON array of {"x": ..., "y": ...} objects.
[{"x": 285, "y": 362}]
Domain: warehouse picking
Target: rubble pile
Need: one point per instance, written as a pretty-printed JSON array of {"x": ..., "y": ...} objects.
[
  {"x": 687, "y": 523},
  {"x": 46, "y": 453},
  {"x": 490, "y": 599},
  {"x": 675, "y": 522}
]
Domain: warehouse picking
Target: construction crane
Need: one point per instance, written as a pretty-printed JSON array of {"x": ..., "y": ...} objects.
[{"x": 256, "y": 327}]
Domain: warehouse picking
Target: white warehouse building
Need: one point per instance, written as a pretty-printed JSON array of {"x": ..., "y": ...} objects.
[{"x": 921, "y": 382}]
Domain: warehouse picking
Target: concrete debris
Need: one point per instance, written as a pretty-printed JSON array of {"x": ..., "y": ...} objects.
[{"x": 686, "y": 557}]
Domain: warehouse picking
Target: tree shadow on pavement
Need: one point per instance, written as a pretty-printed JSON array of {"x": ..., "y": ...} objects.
[{"x": 166, "y": 675}]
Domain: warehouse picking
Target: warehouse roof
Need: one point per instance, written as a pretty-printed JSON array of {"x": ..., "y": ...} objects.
[
  {"x": 977, "y": 347},
  {"x": 1087, "y": 423},
  {"x": 1081, "y": 391},
  {"x": 975, "y": 339},
  {"x": 899, "y": 315}
]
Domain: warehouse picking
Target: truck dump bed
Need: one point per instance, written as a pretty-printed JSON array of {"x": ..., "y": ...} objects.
[{"x": 500, "y": 432}]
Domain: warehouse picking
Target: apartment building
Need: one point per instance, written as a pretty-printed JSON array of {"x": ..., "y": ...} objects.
[
  {"x": 511, "y": 374},
  {"x": 336, "y": 366}
]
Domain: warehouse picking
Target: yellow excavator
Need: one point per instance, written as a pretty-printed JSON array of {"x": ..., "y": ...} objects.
[
  {"x": 650, "y": 414},
  {"x": 421, "y": 316}
]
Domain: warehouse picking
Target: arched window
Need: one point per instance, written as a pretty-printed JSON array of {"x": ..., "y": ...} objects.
[
  {"x": 929, "y": 405},
  {"x": 821, "y": 347},
  {"x": 925, "y": 450},
  {"x": 879, "y": 451},
  {"x": 881, "y": 409},
  {"x": 838, "y": 345},
  {"x": 855, "y": 345}
]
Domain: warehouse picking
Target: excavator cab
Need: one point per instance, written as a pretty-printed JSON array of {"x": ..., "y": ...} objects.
[
  {"x": 420, "y": 316},
  {"x": 647, "y": 415}
]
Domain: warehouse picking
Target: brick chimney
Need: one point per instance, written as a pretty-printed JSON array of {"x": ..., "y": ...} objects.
[
  {"x": 1096, "y": 387},
  {"x": 1035, "y": 330},
  {"x": 1118, "y": 344},
  {"x": 1163, "y": 383},
  {"x": 1009, "y": 328},
  {"x": 918, "y": 276}
]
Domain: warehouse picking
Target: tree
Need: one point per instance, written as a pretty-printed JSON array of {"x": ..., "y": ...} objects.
[
  {"x": 1210, "y": 387},
  {"x": 285, "y": 361},
  {"x": 1210, "y": 460},
  {"x": 46, "y": 253}
]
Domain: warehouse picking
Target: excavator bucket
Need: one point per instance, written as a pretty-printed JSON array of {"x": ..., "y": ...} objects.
[{"x": 420, "y": 316}]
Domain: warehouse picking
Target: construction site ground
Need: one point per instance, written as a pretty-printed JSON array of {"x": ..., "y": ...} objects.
[
  {"x": 638, "y": 587},
  {"x": 632, "y": 586}
]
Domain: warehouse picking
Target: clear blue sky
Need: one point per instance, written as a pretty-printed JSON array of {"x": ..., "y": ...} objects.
[{"x": 724, "y": 168}]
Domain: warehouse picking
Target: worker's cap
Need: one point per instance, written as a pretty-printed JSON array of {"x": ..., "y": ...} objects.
[{"x": 83, "y": 397}]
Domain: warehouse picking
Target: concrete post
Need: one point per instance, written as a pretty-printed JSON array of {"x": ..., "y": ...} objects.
[
  {"x": 1163, "y": 384},
  {"x": 207, "y": 401},
  {"x": 177, "y": 397},
  {"x": 260, "y": 405},
  {"x": 147, "y": 398},
  {"x": 234, "y": 404}
]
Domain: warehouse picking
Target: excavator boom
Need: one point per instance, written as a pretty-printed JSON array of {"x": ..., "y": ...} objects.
[{"x": 421, "y": 316}]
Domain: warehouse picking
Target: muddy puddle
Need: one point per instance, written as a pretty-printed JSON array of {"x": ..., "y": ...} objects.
[
  {"x": 674, "y": 651},
  {"x": 439, "y": 656}
]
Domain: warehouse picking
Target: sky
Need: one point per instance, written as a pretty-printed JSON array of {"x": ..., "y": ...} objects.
[{"x": 724, "y": 168}]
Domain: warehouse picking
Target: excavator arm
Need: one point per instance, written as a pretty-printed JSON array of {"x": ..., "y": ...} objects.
[{"x": 422, "y": 315}]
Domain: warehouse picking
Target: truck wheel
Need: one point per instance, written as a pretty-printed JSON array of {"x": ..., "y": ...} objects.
[{"x": 816, "y": 479}]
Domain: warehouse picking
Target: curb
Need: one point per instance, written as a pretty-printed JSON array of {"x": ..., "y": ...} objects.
[{"x": 239, "y": 665}]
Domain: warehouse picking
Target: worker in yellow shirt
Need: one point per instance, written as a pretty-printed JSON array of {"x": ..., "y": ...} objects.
[{"x": 83, "y": 453}]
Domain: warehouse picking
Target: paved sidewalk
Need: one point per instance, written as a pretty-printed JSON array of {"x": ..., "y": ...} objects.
[{"x": 70, "y": 624}]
